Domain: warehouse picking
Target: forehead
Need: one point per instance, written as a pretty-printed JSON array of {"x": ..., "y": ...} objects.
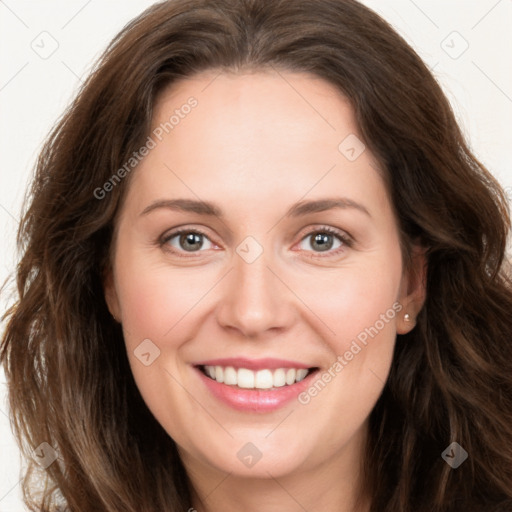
[
  {"x": 258, "y": 107},
  {"x": 274, "y": 132}
]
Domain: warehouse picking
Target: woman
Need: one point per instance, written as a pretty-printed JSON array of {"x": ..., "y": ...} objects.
[{"x": 262, "y": 271}]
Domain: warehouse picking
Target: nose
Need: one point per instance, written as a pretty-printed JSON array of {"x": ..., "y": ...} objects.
[{"x": 255, "y": 299}]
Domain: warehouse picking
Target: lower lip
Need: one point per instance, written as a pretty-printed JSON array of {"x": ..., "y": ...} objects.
[{"x": 255, "y": 400}]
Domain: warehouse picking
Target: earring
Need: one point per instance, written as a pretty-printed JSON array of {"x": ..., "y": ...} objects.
[
  {"x": 114, "y": 317},
  {"x": 407, "y": 317}
]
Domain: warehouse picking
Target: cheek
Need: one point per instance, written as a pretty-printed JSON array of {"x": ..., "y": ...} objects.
[
  {"x": 351, "y": 300},
  {"x": 359, "y": 306},
  {"x": 158, "y": 305},
  {"x": 156, "y": 299}
]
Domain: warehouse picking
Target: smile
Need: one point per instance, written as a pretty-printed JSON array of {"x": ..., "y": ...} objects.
[
  {"x": 261, "y": 379},
  {"x": 260, "y": 386}
]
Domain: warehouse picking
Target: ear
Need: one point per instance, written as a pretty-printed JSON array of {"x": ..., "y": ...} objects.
[
  {"x": 110, "y": 292},
  {"x": 413, "y": 290}
]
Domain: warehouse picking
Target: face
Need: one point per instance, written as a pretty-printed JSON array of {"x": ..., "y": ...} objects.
[{"x": 257, "y": 245}]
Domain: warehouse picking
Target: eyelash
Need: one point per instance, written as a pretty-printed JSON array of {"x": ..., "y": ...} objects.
[{"x": 342, "y": 237}]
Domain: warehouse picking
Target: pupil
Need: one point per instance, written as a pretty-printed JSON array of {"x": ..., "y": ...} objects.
[
  {"x": 325, "y": 241},
  {"x": 194, "y": 239}
]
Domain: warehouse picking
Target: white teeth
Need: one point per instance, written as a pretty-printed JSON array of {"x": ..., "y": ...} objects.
[
  {"x": 279, "y": 378},
  {"x": 290, "y": 376},
  {"x": 261, "y": 379},
  {"x": 264, "y": 379},
  {"x": 230, "y": 377},
  {"x": 245, "y": 378},
  {"x": 301, "y": 374}
]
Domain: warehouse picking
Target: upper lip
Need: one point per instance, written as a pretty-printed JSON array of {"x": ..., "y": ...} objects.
[{"x": 254, "y": 364}]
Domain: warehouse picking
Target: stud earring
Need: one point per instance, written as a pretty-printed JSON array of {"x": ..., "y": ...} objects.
[{"x": 407, "y": 317}]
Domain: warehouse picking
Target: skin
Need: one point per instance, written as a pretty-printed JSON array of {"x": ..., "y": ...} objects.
[{"x": 255, "y": 146}]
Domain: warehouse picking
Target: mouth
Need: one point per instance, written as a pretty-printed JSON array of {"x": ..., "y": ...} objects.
[
  {"x": 266, "y": 379},
  {"x": 254, "y": 386}
]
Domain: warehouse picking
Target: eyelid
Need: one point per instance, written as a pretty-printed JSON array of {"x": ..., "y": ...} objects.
[{"x": 325, "y": 228}]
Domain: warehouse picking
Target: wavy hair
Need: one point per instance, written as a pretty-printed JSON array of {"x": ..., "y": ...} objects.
[{"x": 69, "y": 380}]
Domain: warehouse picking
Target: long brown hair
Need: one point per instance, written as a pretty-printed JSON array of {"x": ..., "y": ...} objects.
[{"x": 70, "y": 383}]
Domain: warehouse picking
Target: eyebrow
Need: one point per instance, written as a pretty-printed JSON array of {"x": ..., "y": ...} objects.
[{"x": 298, "y": 209}]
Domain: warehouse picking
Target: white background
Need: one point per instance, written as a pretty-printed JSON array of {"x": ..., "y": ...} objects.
[{"x": 34, "y": 92}]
